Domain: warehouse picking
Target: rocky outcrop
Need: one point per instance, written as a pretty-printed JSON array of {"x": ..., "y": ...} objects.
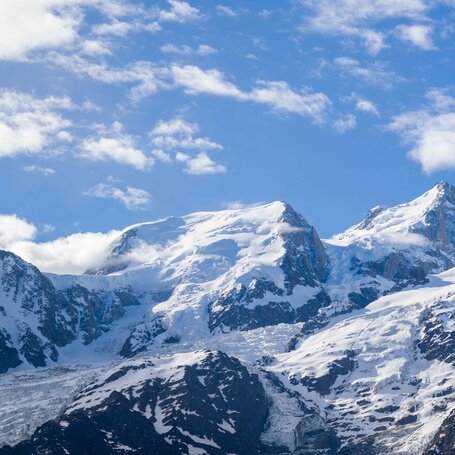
[
  {"x": 213, "y": 406},
  {"x": 443, "y": 442}
]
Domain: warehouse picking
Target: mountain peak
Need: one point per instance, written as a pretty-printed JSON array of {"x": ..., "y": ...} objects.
[{"x": 431, "y": 215}]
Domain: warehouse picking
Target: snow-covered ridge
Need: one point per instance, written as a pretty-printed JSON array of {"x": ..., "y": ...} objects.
[
  {"x": 347, "y": 344},
  {"x": 405, "y": 224}
]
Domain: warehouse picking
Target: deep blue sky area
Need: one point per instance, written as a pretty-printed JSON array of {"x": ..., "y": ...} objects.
[{"x": 127, "y": 112}]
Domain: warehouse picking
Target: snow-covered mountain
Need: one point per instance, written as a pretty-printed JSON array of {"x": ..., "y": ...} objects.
[{"x": 342, "y": 346}]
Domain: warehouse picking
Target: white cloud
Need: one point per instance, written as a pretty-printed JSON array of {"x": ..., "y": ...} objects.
[
  {"x": 116, "y": 28},
  {"x": 114, "y": 145},
  {"x": 345, "y": 123},
  {"x": 430, "y": 132},
  {"x": 196, "y": 81},
  {"x": 29, "y": 125},
  {"x": 375, "y": 73},
  {"x": 200, "y": 164},
  {"x": 359, "y": 18},
  {"x": 174, "y": 126},
  {"x": 148, "y": 79},
  {"x": 205, "y": 49},
  {"x": 46, "y": 171},
  {"x": 226, "y": 11},
  {"x": 276, "y": 94},
  {"x": 145, "y": 77},
  {"x": 73, "y": 254},
  {"x": 419, "y": 35},
  {"x": 172, "y": 49},
  {"x": 14, "y": 229},
  {"x": 162, "y": 155},
  {"x": 202, "y": 49},
  {"x": 180, "y": 12},
  {"x": 280, "y": 97},
  {"x": 132, "y": 198},
  {"x": 366, "y": 106},
  {"x": 39, "y": 24},
  {"x": 94, "y": 48},
  {"x": 178, "y": 133}
]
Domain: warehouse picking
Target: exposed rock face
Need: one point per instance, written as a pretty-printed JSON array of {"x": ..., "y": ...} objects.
[
  {"x": 339, "y": 367},
  {"x": 443, "y": 442},
  {"x": 211, "y": 405},
  {"x": 305, "y": 262},
  {"x": 38, "y": 319},
  {"x": 396, "y": 248},
  {"x": 437, "y": 339},
  {"x": 9, "y": 356}
]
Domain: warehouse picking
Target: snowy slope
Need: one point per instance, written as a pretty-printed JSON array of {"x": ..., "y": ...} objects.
[
  {"x": 384, "y": 372},
  {"x": 346, "y": 344}
]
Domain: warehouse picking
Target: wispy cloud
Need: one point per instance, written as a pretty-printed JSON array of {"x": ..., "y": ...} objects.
[
  {"x": 132, "y": 198},
  {"x": 46, "y": 171},
  {"x": 376, "y": 73},
  {"x": 346, "y": 123},
  {"x": 359, "y": 18},
  {"x": 202, "y": 49}
]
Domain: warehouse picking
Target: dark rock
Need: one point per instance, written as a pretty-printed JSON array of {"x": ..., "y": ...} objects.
[
  {"x": 443, "y": 442},
  {"x": 339, "y": 367},
  {"x": 215, "y": 405},
  {"x": 9, "y": 357}
]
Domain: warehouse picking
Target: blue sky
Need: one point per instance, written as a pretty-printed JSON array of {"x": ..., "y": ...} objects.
[{"x": 117, "y": 112}]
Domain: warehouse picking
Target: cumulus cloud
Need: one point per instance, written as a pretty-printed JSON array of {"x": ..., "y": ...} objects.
[
  {"x": 180, "y": 12},
  {"x": 430, "y": 132},
  {"x": 115, "y": 145},
  {"x": 132, "y": 198},
  {"x": 177, "y": 134},
  {"x": 14, "y": 229},
  {"x": 29, "y": 125},
  {"x": 419, "y": 35},
  {"x": 200, "y": 164},
  {"x": 39, "y": 24},
  {"x": 359, "y": 18},
  {"x": 282, "y": 98}
]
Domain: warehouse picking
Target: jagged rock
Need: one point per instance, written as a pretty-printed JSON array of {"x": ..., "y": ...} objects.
[
  {"x": 211, "y": 404},
  {"x": 443, "y": 442}
]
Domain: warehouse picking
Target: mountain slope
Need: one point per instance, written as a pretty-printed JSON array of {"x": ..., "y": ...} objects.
[{"x": 344, "y": 346}]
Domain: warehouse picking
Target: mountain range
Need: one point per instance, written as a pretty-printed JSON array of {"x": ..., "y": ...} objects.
[{"x": 239, "y": 332}]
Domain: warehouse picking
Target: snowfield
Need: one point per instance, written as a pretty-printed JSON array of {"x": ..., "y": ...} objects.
[{"x": 346, "y": 345}]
